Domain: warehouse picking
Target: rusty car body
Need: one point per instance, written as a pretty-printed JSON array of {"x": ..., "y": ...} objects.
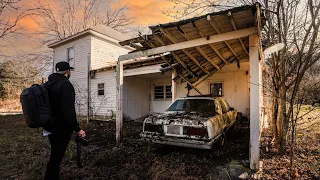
[{"x": 196, "y": 122}]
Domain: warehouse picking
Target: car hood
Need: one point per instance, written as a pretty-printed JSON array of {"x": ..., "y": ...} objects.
[{"x": 180, "y": 118}]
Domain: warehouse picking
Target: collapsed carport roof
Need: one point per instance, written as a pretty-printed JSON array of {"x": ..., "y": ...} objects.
[{"x": 200, "y": 46}]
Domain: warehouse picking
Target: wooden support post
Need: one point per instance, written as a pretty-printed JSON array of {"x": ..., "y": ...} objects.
[
  {"x": 174, "y": 86},
  {"x": 255, "y": 112},
  {"x": 119, "y": 117}
]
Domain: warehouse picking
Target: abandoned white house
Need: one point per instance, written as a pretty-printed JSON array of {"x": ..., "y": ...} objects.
[{"x": 217, "y": 54}]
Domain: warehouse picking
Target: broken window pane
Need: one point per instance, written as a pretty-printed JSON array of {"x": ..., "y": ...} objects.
[{"x": 216, "y": 89}]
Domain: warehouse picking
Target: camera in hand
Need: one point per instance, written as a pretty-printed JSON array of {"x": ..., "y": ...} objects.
[{"x": 82, "y": 141}]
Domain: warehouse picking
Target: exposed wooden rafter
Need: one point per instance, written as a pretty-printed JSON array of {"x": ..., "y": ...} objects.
[
  {"x": 194, "y": 60},
  {"x": 192, "y": 43},
  {"x": 175, "y": 69},
  {"x": 176, "y": 57},
  {"x": 200, "y": 50},
  {"x": 235, "y": 28},
  {"x": 213, "y": 48},
  {"x": 215, "y": 27}
]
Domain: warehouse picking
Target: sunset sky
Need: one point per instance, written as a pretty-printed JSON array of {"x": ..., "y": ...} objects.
[{"x": 142, "y": 12}]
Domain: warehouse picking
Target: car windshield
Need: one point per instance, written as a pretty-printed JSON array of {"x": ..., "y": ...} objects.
[{"x": 197, "y": 105}]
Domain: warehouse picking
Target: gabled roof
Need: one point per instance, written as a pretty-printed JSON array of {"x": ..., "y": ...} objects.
[{"x": 102, "y": 31}]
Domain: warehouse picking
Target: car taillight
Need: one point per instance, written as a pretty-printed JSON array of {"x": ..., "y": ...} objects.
[
  {"x": 195, "y": 131},
  {"x": 153, "y": 127}
]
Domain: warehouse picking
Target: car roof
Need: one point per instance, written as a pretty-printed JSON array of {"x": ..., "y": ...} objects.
[{"x": 209, "y": 98}]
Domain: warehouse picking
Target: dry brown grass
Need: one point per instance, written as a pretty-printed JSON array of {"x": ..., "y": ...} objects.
[
  {"x": 10, "y": 105},
  {"x": 24, "y": 153},
  {"x": 306, "y": 160}
]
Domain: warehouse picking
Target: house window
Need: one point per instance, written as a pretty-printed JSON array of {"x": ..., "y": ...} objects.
[
  {"x": 168, "y": 92},
  {"x": 70, "y": 56},
  {"x": 162, "y": 92},
  {"x": 158, "y": 93},
  {"x": 101, "y": 89},
  {"x": 216, "y": 89}
]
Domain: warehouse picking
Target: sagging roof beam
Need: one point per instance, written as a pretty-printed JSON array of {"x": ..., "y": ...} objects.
[
  {"x": 175, "y": 56},
  {"x": 194, "y": 60},
  {"x": 213, "y": 48},
  {"x": 235, "y": 28},
  {"x": 215, "y": 27},
  {"x": 200, "y": 50},
  {"x": 175, "y": 69},
  {"x": 192, "y": 43}
]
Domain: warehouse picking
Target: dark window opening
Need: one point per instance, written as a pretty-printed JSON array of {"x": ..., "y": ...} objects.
[
  {"x": 216, "y": 89},
  {"x": 101, "y": 89}
]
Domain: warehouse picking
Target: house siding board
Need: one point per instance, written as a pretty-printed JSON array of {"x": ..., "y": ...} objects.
[
  {"x": 159, "y": 106},
  {"x": 105, "y": 104},
  {"x": 82, "y": 48},
  {"x": 235, "y": 89},
  {"x": 136, "y": 97},
  {"x": 105, "y": 53}
]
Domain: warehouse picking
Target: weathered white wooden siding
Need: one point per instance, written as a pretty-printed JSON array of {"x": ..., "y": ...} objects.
[
  {"x": 82, "y": 48},
  {"x": 159, "y": 106},
  {"x": 136, "y": 97},
  {"x": 235, "y": 88},
  {"x": 105, "y": 53},
  {"x": 106, "y": 104}
]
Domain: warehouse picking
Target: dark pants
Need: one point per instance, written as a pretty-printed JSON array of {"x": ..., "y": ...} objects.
[{"x": 59, "y": 144}]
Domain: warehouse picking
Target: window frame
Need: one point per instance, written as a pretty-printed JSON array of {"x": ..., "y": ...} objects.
[
  {"x": 99, "y": 89},
  {"x": 164, "y": 92},
  {"x": 217, "y": 82},
  {"x": 71, "y": 59}
]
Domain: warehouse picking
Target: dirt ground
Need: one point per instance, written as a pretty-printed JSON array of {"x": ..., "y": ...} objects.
[{"x": 24, "y": 155}]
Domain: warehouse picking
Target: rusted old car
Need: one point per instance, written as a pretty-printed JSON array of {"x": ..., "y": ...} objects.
[{"x": 196, "y": 122}]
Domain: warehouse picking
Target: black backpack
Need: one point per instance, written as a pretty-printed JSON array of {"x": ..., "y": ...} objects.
[{"x": 36, "y": 106}]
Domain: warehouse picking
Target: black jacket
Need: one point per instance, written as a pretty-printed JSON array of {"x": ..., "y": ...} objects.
[{"x": 62, "y": 101}]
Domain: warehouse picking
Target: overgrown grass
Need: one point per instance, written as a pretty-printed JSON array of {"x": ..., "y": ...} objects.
[
  {"x": 25, "y": 152},
  {"x": 10, "y": 105},
  {"x": 306, "y": 162}
]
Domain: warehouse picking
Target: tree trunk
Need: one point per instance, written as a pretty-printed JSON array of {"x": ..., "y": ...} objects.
[
  {"x": 282, "y": 119},
  {"x": 274, "y": 127}
]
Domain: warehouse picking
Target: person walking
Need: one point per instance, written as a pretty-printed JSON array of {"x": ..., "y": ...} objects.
[{"x": 62, "y": 102}]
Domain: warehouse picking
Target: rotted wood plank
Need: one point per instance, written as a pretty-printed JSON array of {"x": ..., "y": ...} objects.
[
  {"x": 194, "y": 60},
  {"x": 216, "y": 28},
  {"x": 214, "y": 48},
  {"x": 200, "y": 50},
  {"x": 177, "y": 57},
  {"x": 189, "y": 44},
  {"x": 235, "y": 28},
  {"x": 175, "y": 69}
]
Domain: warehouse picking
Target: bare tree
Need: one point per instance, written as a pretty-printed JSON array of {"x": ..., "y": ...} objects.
[
  {"x": 67, "y": 17},
  {"x": 11, "y": 25}
]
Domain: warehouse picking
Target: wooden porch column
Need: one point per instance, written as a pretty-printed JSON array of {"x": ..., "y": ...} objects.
[
  {"x": 174, "y": 86},
  {"x": 119, "y": 116},
  {"x": 255, "y": 106}
]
